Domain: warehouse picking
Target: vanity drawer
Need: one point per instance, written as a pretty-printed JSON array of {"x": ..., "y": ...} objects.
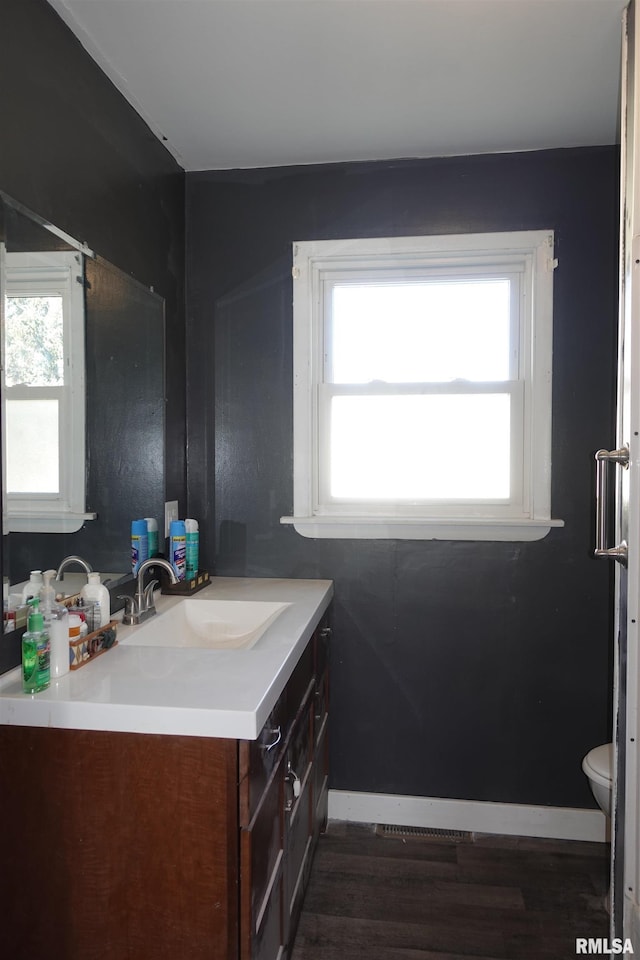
[
  {"x": 268, "y": 940},
  {"x": 321, "y": 706},
  {"x": 321, "y": 781},
  {"x": 258, "y": 758},
  {"x": 298, "y": 796},
  {"x": 321, "y": 647},
  {"x": 261, "y": 874}
]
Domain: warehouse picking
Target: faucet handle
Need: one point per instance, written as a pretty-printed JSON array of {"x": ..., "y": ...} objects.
[
  {"x": 130, "y": 609},
  {"x": 149, "y": 603}
]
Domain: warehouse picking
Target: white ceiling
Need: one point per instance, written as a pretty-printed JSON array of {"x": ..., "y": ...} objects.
[{"x": 252, "y": 83}]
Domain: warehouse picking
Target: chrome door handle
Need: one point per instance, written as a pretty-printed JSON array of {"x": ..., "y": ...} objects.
[{"x": 603, "y": 459}]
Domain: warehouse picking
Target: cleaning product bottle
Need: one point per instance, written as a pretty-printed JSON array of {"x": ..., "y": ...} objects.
[
  {"x": 139, "y": 543},
  {"x": 152, "y": 535},
  {"x": 192, "y": 544},
  {"x": 96, "y": 591},
  {"x": 32, "y": 588},
  {"x": 36, "y": 671},
  {"x": 178, "y": 548},
  {"x": 75, "y": 627},
  {"x": 56, "y": 624}
]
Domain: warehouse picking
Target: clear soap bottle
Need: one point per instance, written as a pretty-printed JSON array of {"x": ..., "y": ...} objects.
[
  {"x": 36, "y": 671},
  {"x": 56, "y": 623}
]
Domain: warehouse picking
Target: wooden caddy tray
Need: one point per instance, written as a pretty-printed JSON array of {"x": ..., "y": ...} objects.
[
  {"x": 85, "y": 649},
  {"x": 186, "y": 588}
]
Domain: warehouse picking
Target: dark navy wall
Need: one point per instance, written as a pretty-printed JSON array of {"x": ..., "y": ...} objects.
[
  {"x": 458, "y": 669},
  {"x": 471, "y": 670},
  {"x": 76, "y": 153}
]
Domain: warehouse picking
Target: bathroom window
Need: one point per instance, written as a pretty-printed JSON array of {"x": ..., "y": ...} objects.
[
  {"x": 422, "y": 387},
  {"x": 43, "y": 392}
]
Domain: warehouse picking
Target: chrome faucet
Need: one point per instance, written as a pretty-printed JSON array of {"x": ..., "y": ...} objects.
[
  {"x": 142, "y": 605},
  {"x": 67, "y": 563}
]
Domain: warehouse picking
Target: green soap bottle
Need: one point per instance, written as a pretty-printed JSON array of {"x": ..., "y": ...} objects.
[{"x": 36, "y": 671}]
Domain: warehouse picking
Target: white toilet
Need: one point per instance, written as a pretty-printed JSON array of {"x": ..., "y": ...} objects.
[{"x": 598, "y": 767}]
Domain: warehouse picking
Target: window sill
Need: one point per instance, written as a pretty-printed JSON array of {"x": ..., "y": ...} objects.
[
  {"x": 397, "y": 528},
  {"x": 46, "y": 523}
]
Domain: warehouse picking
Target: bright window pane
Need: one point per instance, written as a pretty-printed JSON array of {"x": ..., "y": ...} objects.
[
  {"x": 421, "y": 331},
  {"x": 427, "y": 447},
  {"x": 32, "y": 446},
  {"x": 34, "y": 347}
]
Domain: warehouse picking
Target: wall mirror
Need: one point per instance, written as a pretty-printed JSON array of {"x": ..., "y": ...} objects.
[{"x": 122, "y": 363}]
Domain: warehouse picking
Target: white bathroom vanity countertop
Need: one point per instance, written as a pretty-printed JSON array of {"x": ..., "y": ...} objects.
[{"x": 180, "y": 691}]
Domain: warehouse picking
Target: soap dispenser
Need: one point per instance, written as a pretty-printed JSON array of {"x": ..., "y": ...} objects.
[
  {"x": 96, "y": 592},
  {"x": 36, "y": 673},
  {"x": 56, "y": 621},
  {"x": 33, "y": 587}
]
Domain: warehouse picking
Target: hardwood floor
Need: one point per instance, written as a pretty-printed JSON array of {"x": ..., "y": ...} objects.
[{"x": 488, "y": 897}]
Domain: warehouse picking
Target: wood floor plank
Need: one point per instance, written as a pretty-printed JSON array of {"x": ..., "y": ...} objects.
[
  {"x": 517, "y": 866},
  {"x": 371, "y": 845},
  {"x": 338, "y": 937},
  {"x": 491, "y": 899},
  {"x": 339, "y": 862},
  {"x": 583, "y": 848}
]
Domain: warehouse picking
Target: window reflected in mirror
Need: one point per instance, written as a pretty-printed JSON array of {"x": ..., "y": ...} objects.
[{"x": 43, "y": 391}]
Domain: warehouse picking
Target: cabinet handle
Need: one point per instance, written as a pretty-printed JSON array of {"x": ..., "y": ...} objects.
[
  {"x": 276, "y": 731},
  {"x": 292, "y": 778},
  {"x": 325, "y": 633},
  {"x": 603, "y": 458}
]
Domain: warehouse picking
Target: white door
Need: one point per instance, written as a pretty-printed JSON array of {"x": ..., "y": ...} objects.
[{"x": 624, "y": 461}]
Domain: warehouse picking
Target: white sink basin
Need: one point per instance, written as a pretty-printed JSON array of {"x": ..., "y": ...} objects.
[{"x": 211, "y": 624}]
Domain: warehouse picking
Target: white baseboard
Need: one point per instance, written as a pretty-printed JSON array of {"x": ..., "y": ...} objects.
[{"x": 559, "y": 823}]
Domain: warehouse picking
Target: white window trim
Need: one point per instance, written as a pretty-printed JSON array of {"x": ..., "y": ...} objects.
[
  {"x": 65, "y": 512},
  {"x": 313, "y": 263}
]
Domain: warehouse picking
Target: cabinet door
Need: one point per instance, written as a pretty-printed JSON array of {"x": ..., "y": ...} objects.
[
  {"x": 132, "y": 839},
  {"x": 321, "y": 731},
  {"x": 262, "y": 876},
  {"x": 298, "y": 810},
  {"x": 320, "y": 800}
]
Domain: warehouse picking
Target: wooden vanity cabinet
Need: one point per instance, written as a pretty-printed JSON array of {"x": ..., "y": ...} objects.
[
  {"x": 122, "y": 846},
  {"x": 283, "y": 808}
]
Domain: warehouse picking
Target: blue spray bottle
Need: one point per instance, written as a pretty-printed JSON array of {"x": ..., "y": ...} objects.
[
  {"x": 178, "y": 548},
  {"x": 139, "y": 543}
]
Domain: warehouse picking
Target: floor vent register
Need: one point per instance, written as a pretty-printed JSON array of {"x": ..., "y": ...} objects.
[{"x": 422, "y": 833}]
